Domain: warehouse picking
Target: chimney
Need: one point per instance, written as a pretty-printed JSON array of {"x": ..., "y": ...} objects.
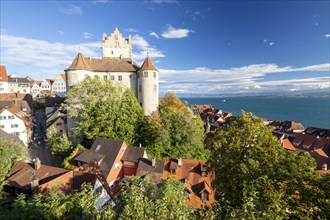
[
  {"x": 180, "y": 162},
  {"x": 36, "y": 163},
  {"x": 34, "y": 182},
  {"x": 153, "y": 163},
  {"x": 325, "y": 167}
]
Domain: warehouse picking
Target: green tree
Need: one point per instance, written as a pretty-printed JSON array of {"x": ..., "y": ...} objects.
[
  {"x": 59, "y": 144},
  {"x": 9, "y": 152},
  {"x": 77, "y": 205},
  {"x": 256, "y": 177},
  {"x": 105, "y": 109},
  {"x": 175, "y": 131},
  {"x": 141, "y": 199}
]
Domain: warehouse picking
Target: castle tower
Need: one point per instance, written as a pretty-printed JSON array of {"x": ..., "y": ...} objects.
[
  {"x": 116, "y": 46},
  {"x": 148, "y": 91}
]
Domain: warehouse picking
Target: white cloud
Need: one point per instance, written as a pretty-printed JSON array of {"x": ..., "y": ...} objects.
[
  {"x": 101, "y": 1},
  {"x": 271, "y": 43},
  {"x": 88, "y": 35},
  {"x": 71, "y": 10},
  {"x": 175, "y": 33},
  {"x": 154, "y": 34},
  {"x": 34, "y": 56},
  {"x": 265, "y": 40},
  {"x": 142, "y": 47},
  {"x": 214, "y": 81},
  {"x": 327, "y": 35},
  {"x": 131, "y": 30},
  {"x": 61, "y": 32},
  {"x": 163, "y": 1}
]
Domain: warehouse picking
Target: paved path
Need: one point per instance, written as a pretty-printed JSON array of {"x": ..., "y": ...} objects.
[{"x": 38, "y": 147}]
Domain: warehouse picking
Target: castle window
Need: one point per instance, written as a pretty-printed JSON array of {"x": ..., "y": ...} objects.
[
  {"x": 105, "y": 77},
  {"x": 155, "y": 74},
  {"x": 155, "y": 88},
  {"x": 140, "y": 88},
  {"x": 112, "y": 77},
  {"x": 120, "y": 78},
  {"x": 96, "y": 77},
  {"x": 145, "y": 74}
]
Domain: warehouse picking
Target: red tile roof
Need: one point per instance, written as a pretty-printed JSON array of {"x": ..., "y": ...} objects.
[
  {"x": 22, "y": 173},
  {"x": 3, "y": 74},
  {"x": 63, "y": 77},
  {"x": 196, "y": 177},
  {"x": 148, "y": 65}
]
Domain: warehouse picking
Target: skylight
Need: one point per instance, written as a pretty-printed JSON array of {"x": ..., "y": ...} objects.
[{"x": 98, "y": 147}]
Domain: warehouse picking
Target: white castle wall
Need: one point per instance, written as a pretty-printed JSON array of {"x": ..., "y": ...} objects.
[{"x": 148, "y": 91}]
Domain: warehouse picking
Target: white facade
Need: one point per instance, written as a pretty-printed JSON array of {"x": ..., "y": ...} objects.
[
  {"x": 3, "y": 87},
  {"x": 46, "y": 85},
  {"x": 13, "y": 123},
  {"x": 103, "y": 196},
  {"x": 148, "y": 94},
  {"x": 116, "y": 46},
  {"x": 35, "y": 89},
  {"x": 59, "y": 85},
  {"x": 18, "y": 85}
]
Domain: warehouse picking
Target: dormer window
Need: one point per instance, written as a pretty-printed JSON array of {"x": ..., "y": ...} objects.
[
  {"x": 204, "y": 174},
  {"x": 296, "y": 144},
  {"x": 307, "y": 146},
  {"x": 98, "y": 147},
  {"x": 204, "y": 196}
]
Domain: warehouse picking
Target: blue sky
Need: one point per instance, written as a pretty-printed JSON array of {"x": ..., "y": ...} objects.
[{"x": 200, "y": 47}]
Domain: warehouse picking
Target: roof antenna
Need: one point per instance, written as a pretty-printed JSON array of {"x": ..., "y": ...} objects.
[
  {"x": 147, "y": 53},
  {"x": 79, "y": 49}
]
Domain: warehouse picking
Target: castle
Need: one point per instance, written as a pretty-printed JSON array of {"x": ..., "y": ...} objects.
[{"x": 117, "y": 65}]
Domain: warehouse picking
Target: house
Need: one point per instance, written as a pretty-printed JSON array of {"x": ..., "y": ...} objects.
[
  {"x": 16, "y": 123},
  {"x": 152, "y": 168},
  {"x": 18, "y": 84},
  {"x": 196, "y": 177},
  {"x": 59, "y": 85},
  {"x": 131, "y": 159},
  {"x": 318, "y": 132},
  {"x": 199, "y": 109},
  {"x": 3, "y": 80},
  {"x": 6, "y": 136},
  {"x": 53, "y": 103},
  {"x": 315, "y": 146},
  {"x": 287, "y": 127},
  {"x": 116, "y": 64},
  {"x": 108, "y": 154},
  {"x": 46, "y": 84},
  {"x": 18, "y": 101},
  {"x": 58, "y": 120},
  {"x": 33, "y": 178},
  {"x": 35, "y": 88}
]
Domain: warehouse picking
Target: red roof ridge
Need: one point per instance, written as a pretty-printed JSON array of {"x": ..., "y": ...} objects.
[
  {"x": 79, "y": 63},
  {"x": 148, "y": 65},
  {"x": 3, "y": 74}
]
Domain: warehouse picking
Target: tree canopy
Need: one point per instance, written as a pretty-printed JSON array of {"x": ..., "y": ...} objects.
[
  {"x": 104, "y": 108},
  {"x": 256, "y": 177},
  {"x": 175, "y": 131},
  {"x": 9, "y": 152}
]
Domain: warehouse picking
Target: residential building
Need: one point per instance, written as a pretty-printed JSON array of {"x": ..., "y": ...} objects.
[
  {"x": 46, "y": 84},
  {"x": 33, "y": 178},
  {"x": 195, "y": 176},
  {"x": 58, "y": 120},
  {"x": 117, "y": 65},
  {"x": 3, "y": 80},
  {"x": 287, "y": 127},
  {"x": 18, "y": 84},
  {"x": 16, "y": 123},
  {"x": 6, "y": 136},
  {"x": 108, "y": 154},
  {"x": 59, "y": 85},
  {"x": 35, "y": 88},
  {"x": 318, "y": 132},
  {"x": 52, "y": 104},
  {"x": 17, "y": 101}
]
